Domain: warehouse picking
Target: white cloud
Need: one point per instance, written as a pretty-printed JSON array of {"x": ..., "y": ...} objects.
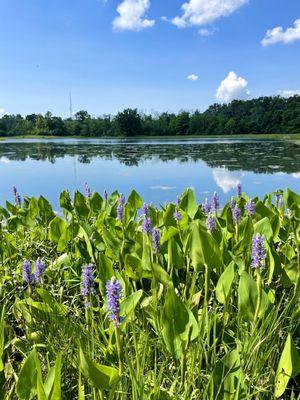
[
  {"x": 203, "y": 12},
  {"x": 206, "y": 32},
  {"x": 232, "y": 87},
  {"x": 160, "y": 187},
  {"x": 4, "y": 160},
  {"x": 288, "y": 93},
  {"x": 225, "y": 179},
  {"x": 132, "y": 13},
  {"x": 192, "y": 77},
  {"x": 2, "y": 112},
  {"x": 296, "y": 175},
  {"x": 278, "y": 35}
]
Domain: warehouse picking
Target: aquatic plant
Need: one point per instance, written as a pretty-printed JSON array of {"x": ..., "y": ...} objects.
[{"x": 192, "y": 307}]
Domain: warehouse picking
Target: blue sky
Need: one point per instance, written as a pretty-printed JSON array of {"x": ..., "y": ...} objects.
[{"x": 120, "y": 53}]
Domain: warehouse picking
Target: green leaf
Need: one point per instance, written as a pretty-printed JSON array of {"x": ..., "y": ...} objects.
[
  {"x": 174, "y": 322},
  {"x": 101, "y": 376},
  {"x": 129, "y": 304},
  {"x": 80, "y": 205},
  {"x": 96, "y": 202},
  {"x": 288, "y": 367},
  {"x": 41, "y": 394},
  {"x": 27, "y": 381},
  {"x": 65, "y": 201},
  {"x": 247, "y": 298},
  {"x": 224, "y": 284},
  {"x": 264, "y": 227},
  {"x": 188, "y": 203},
  {"x": 2, "y": 326},
  {"x": 168, "y": 234},
  {"x": 56, "y": 391},
  {"x": 56, "y": 228},
  {"x": 135, "y": 200},
  {"x": 204, "y": 249},
  {"x": 228, "y": 378}
]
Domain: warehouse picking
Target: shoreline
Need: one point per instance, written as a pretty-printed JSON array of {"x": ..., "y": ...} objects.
[{"x": 295, "y": 137}]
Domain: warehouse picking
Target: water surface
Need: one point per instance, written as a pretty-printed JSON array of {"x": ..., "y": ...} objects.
[{"x": 157, "y": 169}]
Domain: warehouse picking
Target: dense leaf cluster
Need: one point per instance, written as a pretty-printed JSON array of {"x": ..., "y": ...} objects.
[
  {"x": 198, "y": 318},
  {"x": 264, "y": 115}
]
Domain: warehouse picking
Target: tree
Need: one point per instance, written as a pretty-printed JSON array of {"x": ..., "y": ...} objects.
[{"x": 129, "y": 122}]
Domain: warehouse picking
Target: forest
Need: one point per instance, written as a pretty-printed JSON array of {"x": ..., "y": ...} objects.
[{"x": 264, "y": 115}]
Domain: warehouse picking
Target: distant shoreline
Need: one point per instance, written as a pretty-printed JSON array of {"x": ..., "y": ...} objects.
[{"x": 295, "y": 136}]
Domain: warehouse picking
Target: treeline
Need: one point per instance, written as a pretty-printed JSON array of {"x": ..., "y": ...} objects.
[{"x": 257, "y": 116}]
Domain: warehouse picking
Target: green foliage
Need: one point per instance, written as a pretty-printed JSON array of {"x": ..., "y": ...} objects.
[
  {"x": 197, "y": 321},
  {"x": 263, "y": 115}
]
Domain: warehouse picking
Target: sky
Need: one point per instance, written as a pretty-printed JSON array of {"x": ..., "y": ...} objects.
[{"x": 153, "y": 55}]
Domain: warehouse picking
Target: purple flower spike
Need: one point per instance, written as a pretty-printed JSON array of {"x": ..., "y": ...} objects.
[
  {"x": 239, "y": 190},
  {"x": 145, "y": 209},
  {"x": 18, "y": 200},
  {"x": 121, "y": 200},
  {"x": 206, "y": 207},
  {"x": 258, "y": 254},
  {"x": 232, "y": 203},
  {"x": 216, "y": 201},
  {"x": 156, "y": 240},
  {"x": 237, "y": 214},
  {"x": 120, "y": 208},
  {"x": 87, "y": 281},
  {"x": 114, "y": 295},
  {"x": 250, "y": 208},
  {"x": 39, "y": 270},
  {"x": 88, "y": 193},
  {"x": 147, "y": 225},
  {"x": 178, "y": 201},
  {"x": 177, "y": 216},
  {"x": 120, "y": 213},
  {"x": 27, "y": 273},
  {"x": 210, "y": 223}
]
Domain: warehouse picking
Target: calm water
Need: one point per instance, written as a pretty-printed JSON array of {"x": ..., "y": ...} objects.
[{"x": 157, "y": 169}]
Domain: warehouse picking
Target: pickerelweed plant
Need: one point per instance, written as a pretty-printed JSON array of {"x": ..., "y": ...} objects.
[{"x": 113, "y": 298}]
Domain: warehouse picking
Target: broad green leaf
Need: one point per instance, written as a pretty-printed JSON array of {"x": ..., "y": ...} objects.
[
  {"x": 65, "y": 201},
  {"x": 129, "y": 304},
  {"x": 247, "y": 298},
  {"x": 188, "y": 203},
  {"x": 224, "y": 284},
  {"x": 168, "y": 234},
  {"x": 80, "y": 205},
  {"x": 135, "y": 200},
  {"x": 100, "y": 376},
  {"x": 174, "y": 322},
  {"x": 204, "y": 249},
  {"x": 288, "y": 367},
  {"x": 56, "y": 228},
  {"x": 264, "y": 227},
  {"x": 228, "y": 378},
  {"x": 27, "y": 381}
]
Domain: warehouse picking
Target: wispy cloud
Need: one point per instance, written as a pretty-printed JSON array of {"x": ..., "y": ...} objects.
[
  {"x": 203, "y": 12},
  {"x": 132, "y": 16},
  {"x": 192, "y": 77},
  {"x": 289, "y": 93},
  {"x": 160, "y": 187},
  {"x": 279, "y": 35},
  {"x": 232, "y": 87}
]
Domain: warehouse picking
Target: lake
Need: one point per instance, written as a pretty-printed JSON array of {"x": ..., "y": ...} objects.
[{"x": 158, "y": 169}]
